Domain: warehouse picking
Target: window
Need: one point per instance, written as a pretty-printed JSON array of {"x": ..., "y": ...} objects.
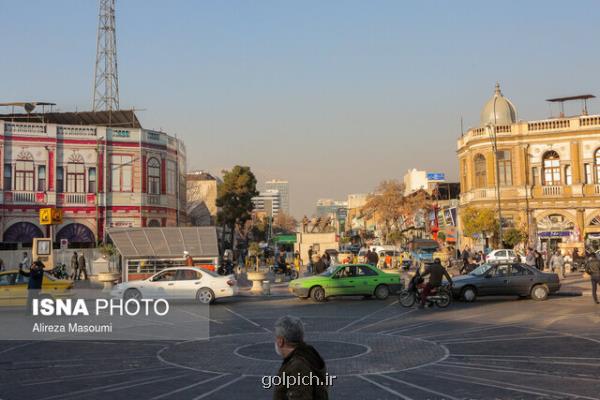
[
  {"x": 535, "y": 176},
  {"x": 597, "y": 163},
  {"x": 24, "y": 175},
  {"x": 153, "y": 176},
  {"x": 588, "y": 174},
  {"x": 518, "y": 270},
  {"x": 7, "y": 176},
  {"x": 366, "y": 271},
  {"x": 171, "y": 176},
  {"x": 75, "y": 177},
  {"x": 41, "y": 186},
  {"x": 551, "y": 173},
  {"x": 480, "y": 171},
  {"x": 504, "y": 168},
  {"x": 464, "y": 174},
  {"x": 165, "y": 276},
  {"x": 568, "y": 175},
  {"x": 188, "y": 275},
  {"x": 92, "y": 180},
  {"x": 121, "y": 173},
  {"x": 60, "y": 179}
]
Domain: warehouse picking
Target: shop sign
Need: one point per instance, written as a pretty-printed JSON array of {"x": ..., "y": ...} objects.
[{"x": 554, "y": 234}]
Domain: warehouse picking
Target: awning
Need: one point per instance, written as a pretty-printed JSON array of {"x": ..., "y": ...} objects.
[
  {"x": 165, "y": 242},
  {"x": 285, "y": 239}
]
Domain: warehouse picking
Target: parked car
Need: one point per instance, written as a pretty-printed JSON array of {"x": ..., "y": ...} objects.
[
  {"x": 505, "y": 279},
  {"x": 502, "y": 255},
  {"x": 179, "y": 283},
  {"x": 347, "y": 280},
  {"x": 13, "y": 288}
]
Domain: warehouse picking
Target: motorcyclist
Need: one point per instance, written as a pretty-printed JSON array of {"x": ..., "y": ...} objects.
[
  {"x": 281, "y": 262},
  {"x": 436, "y": 272}
]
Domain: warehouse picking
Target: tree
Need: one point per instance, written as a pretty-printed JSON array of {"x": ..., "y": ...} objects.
[
  {"x": 513, "y": 236},
  {"x": 234, "y": 198},
  {"x": 284, "y": 223},
  {"x": 479, "y": 221},
  {"x": 386, "y": 206}
]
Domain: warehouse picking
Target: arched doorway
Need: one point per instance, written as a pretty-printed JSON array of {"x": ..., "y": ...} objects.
[
  {"x": 554, "y": 229},
  {"x": 22, "y": 232},
  {"x": 78, "y": 235}
]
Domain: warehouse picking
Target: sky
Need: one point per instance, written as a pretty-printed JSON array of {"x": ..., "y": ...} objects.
[{"x": 334, "y": 96}]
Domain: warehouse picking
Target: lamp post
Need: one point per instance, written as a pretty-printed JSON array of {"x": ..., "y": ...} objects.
[{"x": 494, "y": 138}]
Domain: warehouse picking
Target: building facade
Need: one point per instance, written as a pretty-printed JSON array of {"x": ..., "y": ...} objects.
[
  {"x": 267, "y": 203},
  {"x": 101, "y": 168},
  {"x": 548, "y": 172},
  {"x": 283, "y": 187},
  {"x": 201, "y": 198}
]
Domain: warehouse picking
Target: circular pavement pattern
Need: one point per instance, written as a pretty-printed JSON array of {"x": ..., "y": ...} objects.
[{"x": 253, "y": 354}]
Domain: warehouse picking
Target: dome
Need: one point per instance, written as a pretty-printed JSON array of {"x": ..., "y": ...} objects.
[{"x": 506, "y": 113}]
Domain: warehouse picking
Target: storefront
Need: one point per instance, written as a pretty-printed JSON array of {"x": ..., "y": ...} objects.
[{"x": 554, "y": 229}]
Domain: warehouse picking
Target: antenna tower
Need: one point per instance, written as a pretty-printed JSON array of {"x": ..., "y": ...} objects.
[{"x": 106, "y": 81}]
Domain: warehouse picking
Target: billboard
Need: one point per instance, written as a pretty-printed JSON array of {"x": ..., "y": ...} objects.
[{"x": 436, "y": 176}]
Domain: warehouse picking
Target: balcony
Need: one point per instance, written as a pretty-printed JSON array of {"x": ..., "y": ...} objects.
[
  {"x": 22, "y": 197},
  {"x": 154, "y": 199},
  {"x": 551, "y": 191},
  {"x": 76, "y": 199}
]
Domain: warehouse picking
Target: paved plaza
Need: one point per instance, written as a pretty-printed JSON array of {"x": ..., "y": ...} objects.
[{"x": 499, "y": 348}]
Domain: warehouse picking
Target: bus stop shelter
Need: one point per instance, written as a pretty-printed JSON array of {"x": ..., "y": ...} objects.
[{"x": 146, "y": 251}]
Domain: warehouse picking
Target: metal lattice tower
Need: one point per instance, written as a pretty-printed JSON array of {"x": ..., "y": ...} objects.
[{"x": 106, "y": 81}]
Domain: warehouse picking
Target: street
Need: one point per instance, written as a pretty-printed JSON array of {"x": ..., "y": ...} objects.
[{"x": 500, "y": 348}]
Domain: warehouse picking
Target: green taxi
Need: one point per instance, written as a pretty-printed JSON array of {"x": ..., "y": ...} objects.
[{"x": 347, "y": 280}]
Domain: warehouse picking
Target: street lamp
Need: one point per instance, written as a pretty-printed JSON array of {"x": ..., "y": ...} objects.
[{"x": 494, "y": 138}]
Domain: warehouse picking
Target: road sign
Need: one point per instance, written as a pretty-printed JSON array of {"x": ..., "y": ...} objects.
[
  {"x": 64, "y": 244},
  {"x": 50, "y": 216},
  {"x": 57, "y": 216}
]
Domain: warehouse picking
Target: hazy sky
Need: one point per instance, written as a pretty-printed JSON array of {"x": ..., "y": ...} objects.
[{"x": 332, "y": 95}]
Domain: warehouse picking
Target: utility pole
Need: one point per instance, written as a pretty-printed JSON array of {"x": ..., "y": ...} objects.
[
  {"x": 106, "y": 81},
  {"x": 497, "y": 180}
]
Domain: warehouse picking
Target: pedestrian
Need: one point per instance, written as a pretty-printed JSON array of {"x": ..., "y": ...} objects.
[
  {"x": 530, "y": 257},
  {"x": 388, "y": 261},
  {"x": 82, "y": 267},
  {"x": 34, "y": 285},
  {"x": 372, "y": 258},
  {"x": 465, "y": 257},
  {"x": 189, "y": 261},
  {"x": 75, "y": 266},
  {"x": 25, "y": 262},
  {"x": 559, "y": 263},
  {"x": 1, "y": 265},
  {"x": 592, "y": 268},
  {"x": 300, "y": 361},
  {"x": 539, "y": 260},
  {"x": 318, "y": 264}
]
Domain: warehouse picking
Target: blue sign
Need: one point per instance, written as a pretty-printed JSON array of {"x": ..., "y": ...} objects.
[
  {"x": 436, "y": 176},
  {"x": 554, "y": 233}
]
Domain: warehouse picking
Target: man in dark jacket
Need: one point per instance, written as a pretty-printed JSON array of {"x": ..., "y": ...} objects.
[
  {"x": 592, "y": 267},
  {"x": 36, "y": 277},
  {"x": 75, "y": 266},
  {"x": 436, "y": 272},
  {"x": 302, "y": 373},
  {"x": 372, "y": 258},
  {"x": 82, "y": 267}
]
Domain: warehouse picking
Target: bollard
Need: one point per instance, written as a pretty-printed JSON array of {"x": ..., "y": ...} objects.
[{"x": 266, "y": 288}]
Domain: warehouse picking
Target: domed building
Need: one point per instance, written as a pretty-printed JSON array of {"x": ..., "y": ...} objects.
[{"x": 547, "y": 171}]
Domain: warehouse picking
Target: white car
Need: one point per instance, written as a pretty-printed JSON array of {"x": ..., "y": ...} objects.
[
  {"x": 502, "y": 255},
  {"x": 179, "y": 283}
]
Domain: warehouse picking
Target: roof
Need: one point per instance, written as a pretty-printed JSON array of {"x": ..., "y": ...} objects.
[
  {"x": 118, "y": 118},
  {"x": 569, "y": 98},
  {"x": 168, "y": 242}
]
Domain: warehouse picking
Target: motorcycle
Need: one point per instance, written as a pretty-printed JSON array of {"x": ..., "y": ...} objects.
[
  {"x": 226, "y": 268},
  {"x": 288, "y": 271},
  {"x": 440, "y": 296},
  {"x": 60, "y": 272}
]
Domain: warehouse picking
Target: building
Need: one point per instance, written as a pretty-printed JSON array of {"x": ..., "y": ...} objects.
[
  {"x": 284, "y": 193},
  {"x": 415, "y": 180},
  {"x": 101, "y": 168},
  {"x": 548, "y": 171},
  {"x": 201, "y": 198},
  {"x": 336, "y": 210},
  {"x": 267, "y": 203}
]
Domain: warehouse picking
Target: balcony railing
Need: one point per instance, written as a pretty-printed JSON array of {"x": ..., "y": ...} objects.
[
  {"x": 551, "y": 191},
  {"x": 153, "y": 199},
  {"x": 80, "y": 199},
  {"x": 22, "y": 197},
  {"x": 24, "y": 128}
]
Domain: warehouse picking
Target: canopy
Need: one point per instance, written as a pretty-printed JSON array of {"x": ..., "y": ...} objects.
[{"x": 169, "y": 242}]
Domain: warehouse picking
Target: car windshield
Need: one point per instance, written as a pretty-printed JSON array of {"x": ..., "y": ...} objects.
[
  {"x": 481, "y": 270},
  {"x": 329, "y": 271}
]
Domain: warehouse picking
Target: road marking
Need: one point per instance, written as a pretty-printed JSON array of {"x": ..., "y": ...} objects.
[
  {"x": 387, "y": 389},
  {"x": 533, "y": 357},
  {"x": 150, "y": 382},
  {"x": 383, "y": 320},
  {"x": 246, "y": 319},
  {"x": 193, "y": 385},
  {"x": 502, "y": 340},
  {"x": 98, "y": 374},
  {"x": 409, "y": 328},
  {"x": 223, "y": 386},
  {"x": 443, "y": 395},
  {"x": 201, "y": 316},
  {"x": 366, "y": 316},
  {"x": 15, "y": 347}
]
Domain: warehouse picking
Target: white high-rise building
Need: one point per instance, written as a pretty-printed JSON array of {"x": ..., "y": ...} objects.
[
  {"x": 284, "y": 193},
  {"x": 267, "y": 202}
]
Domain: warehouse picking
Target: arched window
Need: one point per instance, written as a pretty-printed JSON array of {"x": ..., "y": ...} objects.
[
  {"x": 24, "y": 172},
  {"x": 597, "y": 164},
  {"x": 153, "y": 176},
  {"x": 480, "y": 171},
  {"x": 551, "y": 173},
  {"x": 76, "y": 174},
  {"x": 504, "y": 168}
]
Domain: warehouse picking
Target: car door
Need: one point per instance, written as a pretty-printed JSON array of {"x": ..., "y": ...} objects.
[
  {"x": 520, "y": 280},
  {"x": 343, "y": 281},
  {"x": 500, "y": 255},
  {"x": 18, "y": 290},
  {"x": 160, "y": 285},
  {"x": 495, "y": 281},
  {"x": 5, "y": 286},
  {"x": 365, "y": 281},
  {"x": 187, "y": 283}
]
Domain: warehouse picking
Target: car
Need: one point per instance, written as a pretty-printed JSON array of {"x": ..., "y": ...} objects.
[
  {"x": 179, "y": 283},
  {"x": 347, "y": 280},
  {"x": 13, "y": 288},
  {"x": 505, "y": 279},
  {"x": 502, "y": 255}
]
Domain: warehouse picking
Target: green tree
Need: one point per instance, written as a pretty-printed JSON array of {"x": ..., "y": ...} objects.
[
  {"x": 234, "y": 199},
  {"x": 513, "y": 236},
  {"x": 481, "y": 221}
]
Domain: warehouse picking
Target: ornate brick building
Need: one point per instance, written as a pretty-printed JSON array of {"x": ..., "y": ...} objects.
[{"x": 101, "y": 168}]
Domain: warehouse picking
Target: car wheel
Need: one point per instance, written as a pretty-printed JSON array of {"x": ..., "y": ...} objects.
[
  {"x": 539, "y": 292},
  {"x": 382, "y": 292},
  {"x": 132, "y": 294},
  {"x": 318, "y": 294},
  {"x": 205, "y": 296},
  {"x": 468, "y": 294}
]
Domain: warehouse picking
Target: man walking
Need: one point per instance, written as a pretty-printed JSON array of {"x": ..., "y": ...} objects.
[
  {"x": 81, "y": 263},
  {"x": 25, "y": 262},
  {"x": 34, "y": 285},
  {"x": 75, "y": 266},
  {"x": 302, "y": 373},
  {"x": 592, "y": 267},
  {"x": 530, "y": 257}
]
